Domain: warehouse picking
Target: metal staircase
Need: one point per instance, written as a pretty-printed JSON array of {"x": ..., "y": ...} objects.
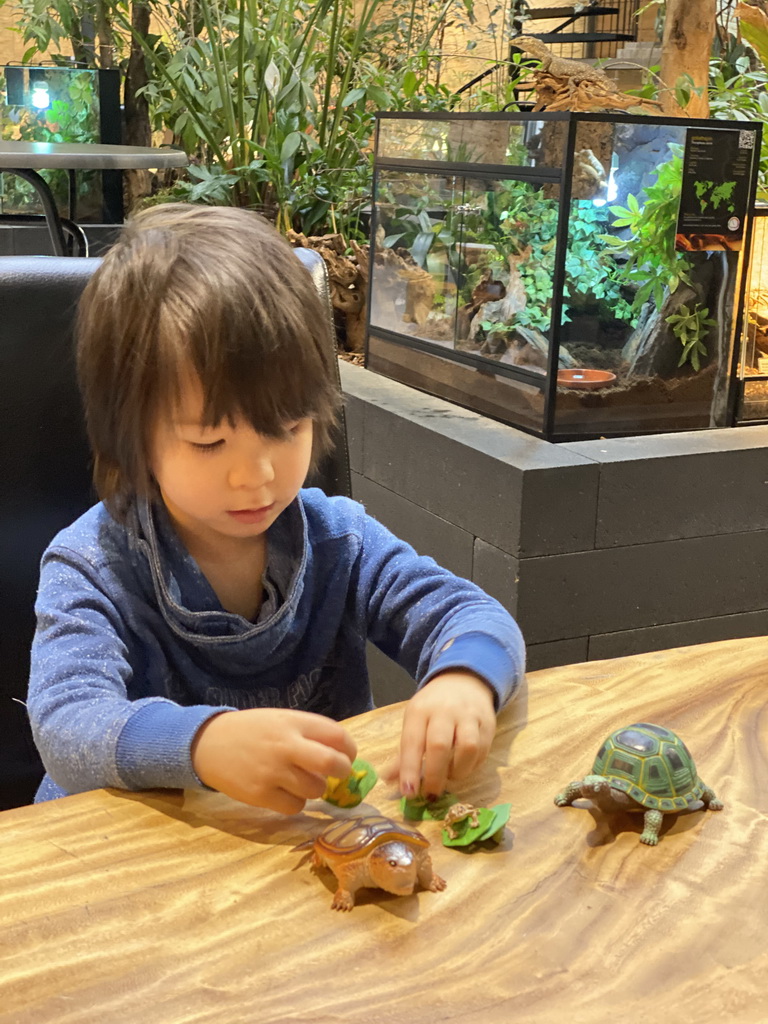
[{"x": 590, "y": 30}]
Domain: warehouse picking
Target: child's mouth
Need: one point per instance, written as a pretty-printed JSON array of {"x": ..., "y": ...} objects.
[{"x": 251, "y": 515}]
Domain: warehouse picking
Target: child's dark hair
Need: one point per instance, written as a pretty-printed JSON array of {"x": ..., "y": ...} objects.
[{"x": 212, "y": 289}]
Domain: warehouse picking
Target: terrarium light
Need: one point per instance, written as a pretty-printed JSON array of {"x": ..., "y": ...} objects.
[
  {"x": 612, "y": 189},
  {"x": 41, "y": 98}
]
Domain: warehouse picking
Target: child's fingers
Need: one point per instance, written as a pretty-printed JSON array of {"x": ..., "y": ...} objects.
[
  {"x": 283, "y": 802},
  {"x": 438, "y": 753},
  {"x": 330, "y": 734},
  {"x": 468, "y": 751},
  {"x": 319, "y": 760},
  {"x": 301, "y": 783},
  {"x": 412, "y": 743}
]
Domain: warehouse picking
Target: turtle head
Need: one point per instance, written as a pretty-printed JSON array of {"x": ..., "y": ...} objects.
[
  {"x": 607, "y": 797},
  {"x": 593, "y": 786},
  {"x": 393, "y": 867}
]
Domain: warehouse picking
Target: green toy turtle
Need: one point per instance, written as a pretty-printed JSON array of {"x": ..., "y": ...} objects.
[{"x": 643, "y": 767}]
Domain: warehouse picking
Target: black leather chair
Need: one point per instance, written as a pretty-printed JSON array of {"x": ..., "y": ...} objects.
[{"x": 45, "y": 468}]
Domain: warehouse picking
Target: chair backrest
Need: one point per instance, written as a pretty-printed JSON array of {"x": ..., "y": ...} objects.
[{"x": 45, "y": 478}]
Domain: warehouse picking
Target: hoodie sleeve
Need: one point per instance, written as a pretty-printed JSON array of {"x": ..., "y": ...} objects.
[
  {"x": 429, "y": 620},
  {"x": 89, "y": 734}
]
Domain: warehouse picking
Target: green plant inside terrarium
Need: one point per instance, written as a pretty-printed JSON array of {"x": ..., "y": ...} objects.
[
  {"x": 491, "y": 250},
  {"x": 647, "y": 260}
]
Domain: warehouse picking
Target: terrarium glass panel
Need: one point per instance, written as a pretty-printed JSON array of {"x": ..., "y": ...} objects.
[
  {"x": 506, "y": 290},
  {"x": 647, "y": 327},
  {"x": 588, "y": 288},
  {"x": 413, "y": 289},
  {"x": 483, "y": 140},
  {"x": 51, "y": 104}
]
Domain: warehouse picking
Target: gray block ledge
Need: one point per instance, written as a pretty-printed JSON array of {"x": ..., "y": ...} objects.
[
  {"x": 599, "y": 548},
  {"x": 485, "y": 477}
]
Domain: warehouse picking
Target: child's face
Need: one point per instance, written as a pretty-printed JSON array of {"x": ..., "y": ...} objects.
[{"x": 223, "y": 483}]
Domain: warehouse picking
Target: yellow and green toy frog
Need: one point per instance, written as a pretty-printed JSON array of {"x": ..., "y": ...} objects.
[{"x": 353, "y": 790}]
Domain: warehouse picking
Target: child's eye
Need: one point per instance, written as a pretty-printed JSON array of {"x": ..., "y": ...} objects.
[{"x": 209, "y": 447}]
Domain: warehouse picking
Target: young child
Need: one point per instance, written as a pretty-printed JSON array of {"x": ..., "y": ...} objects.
[{"x": 206, "y": 623}]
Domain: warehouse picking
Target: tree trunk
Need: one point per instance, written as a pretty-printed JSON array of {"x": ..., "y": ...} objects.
[
  {"x": 689, "y": 28},
  {"x": 137, "y": 127},
  {"x": 104, "y": 33}
]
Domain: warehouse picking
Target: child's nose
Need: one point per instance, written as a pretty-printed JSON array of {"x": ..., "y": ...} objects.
[{"x": 251, "y": 472}]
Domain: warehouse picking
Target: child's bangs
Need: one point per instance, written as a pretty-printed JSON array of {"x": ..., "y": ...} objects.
[
  {"x": 270, "y": 397},
  {"x": 269, "y": 385}
]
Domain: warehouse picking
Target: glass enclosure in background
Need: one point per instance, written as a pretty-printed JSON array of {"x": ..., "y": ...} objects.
[
  {"x": 62, "y": 104},
  {"x": 542, "y": 269},
  {"x": 752, "y": 406}
]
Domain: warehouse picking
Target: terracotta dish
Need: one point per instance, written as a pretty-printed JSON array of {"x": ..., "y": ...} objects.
[{"x": 585, "y": 379}]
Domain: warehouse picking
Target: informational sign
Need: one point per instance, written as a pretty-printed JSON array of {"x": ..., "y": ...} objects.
[{"x": 717, "y": 171}]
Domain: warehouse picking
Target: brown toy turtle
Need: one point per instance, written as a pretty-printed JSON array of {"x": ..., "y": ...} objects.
[{"x": 377, "y": 852}]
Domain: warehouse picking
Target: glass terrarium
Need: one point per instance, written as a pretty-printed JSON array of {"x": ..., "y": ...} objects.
[
  {"x": 575, "y": 275},
  {"x": 53, "y": 103},
  {"x": 752, "y": 400}
]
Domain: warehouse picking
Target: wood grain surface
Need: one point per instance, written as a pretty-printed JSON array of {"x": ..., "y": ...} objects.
[{"x": 168, "y": 907}]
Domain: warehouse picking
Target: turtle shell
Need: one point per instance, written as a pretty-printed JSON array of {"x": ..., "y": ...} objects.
[
  {"x": 652, "y": 765},
  {"x": 350, "y": 838}
]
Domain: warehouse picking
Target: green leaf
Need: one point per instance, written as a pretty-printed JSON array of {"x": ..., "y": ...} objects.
[
  {"x": 683, "y": 91},
  {"x": 353, "y": 790},
  {"x": 290, "y": 146},
  {"x": 378, "y": 96},
  {"x": 410, "y": 84},
  {"x": 754, "y": 28},
  {"x": 352, "y": 97},
  {"x": 490, "y": 825},
  {"x": 417, "y": 809}
]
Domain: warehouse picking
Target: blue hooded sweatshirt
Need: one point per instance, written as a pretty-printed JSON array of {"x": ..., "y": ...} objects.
[{"x": 134, "y": 652}]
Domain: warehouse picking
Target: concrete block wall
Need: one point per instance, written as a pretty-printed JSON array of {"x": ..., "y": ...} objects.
[{"x": 598, "y": 548}]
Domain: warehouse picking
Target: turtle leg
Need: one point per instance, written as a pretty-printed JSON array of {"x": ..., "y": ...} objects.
[
  {"x": 427, "y": 877},
  {"x": 349, "y": 877},
  {"x": 343, "y": 899},
  {"x": 571, "y": 792},
  {"x": 710, "y": 800},
  {"x": 651, "y": 824}
]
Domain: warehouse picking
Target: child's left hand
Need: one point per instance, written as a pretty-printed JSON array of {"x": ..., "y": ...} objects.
[{"x": 448, "y": 728}]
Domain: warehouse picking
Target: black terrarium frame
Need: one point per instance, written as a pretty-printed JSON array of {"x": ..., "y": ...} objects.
[{"x": 476, "y": 380}]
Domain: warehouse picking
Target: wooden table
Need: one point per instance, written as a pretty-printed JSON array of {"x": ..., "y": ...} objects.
[
  {"x": 25, "y": 159},
  {"x": 170, "y": 907}
]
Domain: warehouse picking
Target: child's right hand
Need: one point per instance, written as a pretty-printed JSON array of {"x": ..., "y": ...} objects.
[{"x": 272, "y": 757}]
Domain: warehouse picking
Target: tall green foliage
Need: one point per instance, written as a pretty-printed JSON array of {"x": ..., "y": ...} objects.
[
  {"x": 273, "y": 99},
  {"x": 273, "y": 96}
]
